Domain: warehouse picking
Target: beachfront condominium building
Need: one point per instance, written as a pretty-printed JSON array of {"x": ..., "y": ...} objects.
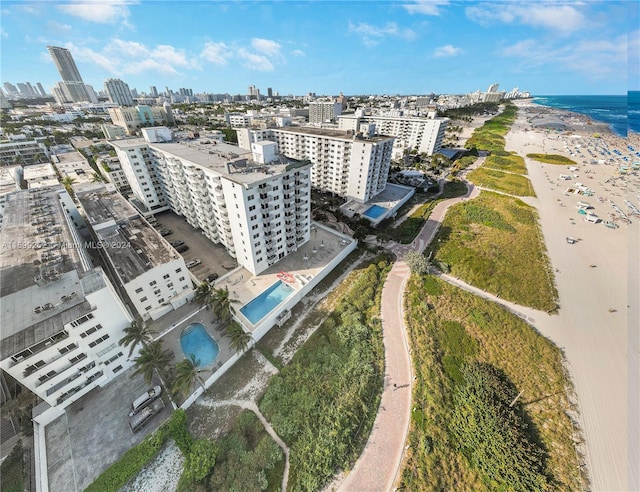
[
  {"x": 149, "y": 273},
  {"x": 324, "y": 111},
  {"x": 118, "y": 92},
  {"x": 255, "y": 204},
  {"x": 354, "y": 167},
  {"x": 132, "y": 118},
  {"x": 424, "y": 134},
  {"x": 61, "y": 316}
]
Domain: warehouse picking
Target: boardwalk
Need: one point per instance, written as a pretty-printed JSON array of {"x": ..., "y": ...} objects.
[{"x": 379, "y": 465}]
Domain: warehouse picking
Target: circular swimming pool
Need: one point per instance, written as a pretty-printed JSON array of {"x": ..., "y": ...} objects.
[{"x": 195, "y": 340}]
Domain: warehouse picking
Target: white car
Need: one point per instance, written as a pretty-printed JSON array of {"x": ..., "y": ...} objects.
[{"x": 193, "y": 263}]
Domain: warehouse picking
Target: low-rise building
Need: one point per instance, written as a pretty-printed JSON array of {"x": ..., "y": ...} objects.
[
  {"x": 40, "y": 176},
  {"x": 153, "y": 277},
  {"x": 61, "y": 317}
]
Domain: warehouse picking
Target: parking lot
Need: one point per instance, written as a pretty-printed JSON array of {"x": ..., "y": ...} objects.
[
  {"x": 95, "y": 431},
  {"x": 214, "y": 257}
]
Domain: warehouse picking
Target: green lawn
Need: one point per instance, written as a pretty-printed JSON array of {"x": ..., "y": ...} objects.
[
  {"x": 512, "y": 184},
  {"x": 552, "y": 159},
  {"x": 471, "y": 358},
  {"x": 494, "y": 243}
]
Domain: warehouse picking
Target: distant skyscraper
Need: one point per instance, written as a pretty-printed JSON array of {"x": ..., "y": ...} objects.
[
  {"x": 65, "y": 64},
  {"x": 154, "y": 91},
  {"x": 72, "y": 88},
  {"x": 269, "y": 92},
  {"x": 10, "y": 88},
  {"x": 41, "y": 89},
  {"x": 493, "y": 88},
  {"x": 118, "y": 92}
]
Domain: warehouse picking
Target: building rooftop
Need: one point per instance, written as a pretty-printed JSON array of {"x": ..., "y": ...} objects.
[
  {"x": 133, "y": 246},
  {"x": 331, "y": 133},
  {"x": 37, "y": 245},
  {"x": 38, "y": 172}
]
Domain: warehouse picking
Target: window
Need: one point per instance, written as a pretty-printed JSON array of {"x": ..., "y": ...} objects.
[
  {"x": 178, "y": 270},
  {"x": 151, "y": 284},
  {"x": 165, "y": 276},
  {"x": 138, "y": 290},
  {"x": 180, "y": 279},
  {"x": 156, "y": 292},
  {"x": 116, "y": 369},
  {"x": 148, "y": 308},
  {"x": 160, "y": 301}
]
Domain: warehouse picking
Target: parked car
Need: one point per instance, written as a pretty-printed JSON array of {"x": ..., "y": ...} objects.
[
  {"x": 176, "y": 243},
  {"x": 211, "y": 278},
  {"x": 193, "y": 263},
  {"x": 182, "y": 249},
  {"x": 144, "y": 400},
  {"x": 165, "y": 232}
]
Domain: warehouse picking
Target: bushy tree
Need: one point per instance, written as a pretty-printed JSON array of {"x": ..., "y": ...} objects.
[{"x": 417, "y": 262}]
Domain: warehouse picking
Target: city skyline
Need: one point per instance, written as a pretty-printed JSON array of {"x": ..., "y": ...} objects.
[{"x": 445, "y": 47}]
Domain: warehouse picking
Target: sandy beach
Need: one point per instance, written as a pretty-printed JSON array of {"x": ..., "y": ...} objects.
[{"x": 598, "y": 323}]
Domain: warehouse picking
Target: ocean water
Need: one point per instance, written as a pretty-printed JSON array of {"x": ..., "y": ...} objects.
[{"x": 621, "y": 113}]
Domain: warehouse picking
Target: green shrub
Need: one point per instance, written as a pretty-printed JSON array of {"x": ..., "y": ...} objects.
[
  {"x": 552, "y": 159},
  {"x": 12, "y": 472},
  {"x": 493, "y": 435}
]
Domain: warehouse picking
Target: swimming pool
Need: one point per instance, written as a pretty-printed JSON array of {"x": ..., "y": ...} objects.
[
  {"x": 195, "y": 340},
  {"x": 266, "y": 302},
  {"x": 374, "y": 211}
]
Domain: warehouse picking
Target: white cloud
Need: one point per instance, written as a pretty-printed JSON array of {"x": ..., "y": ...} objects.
[
  {"x": 372, "y": 35},
  {"x": 425, "y": 7},
  {"x": 447, "y": 50},
  {"x": 594, "y": 59},
  {"x": 3, "y": 33},
  {"x": 556, "y": 17},
  {"x": 217, "y": 53},
  {"x": 266, "y": 46},
  {"x": 255, "y": 61},
  {"x": 298, "y": 53},
  {"x": 100, "y": 11},
  {"x": 57, "y": 28}
]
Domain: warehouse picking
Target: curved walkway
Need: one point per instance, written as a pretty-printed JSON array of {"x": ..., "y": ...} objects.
[{"x": 378, "y": 467}]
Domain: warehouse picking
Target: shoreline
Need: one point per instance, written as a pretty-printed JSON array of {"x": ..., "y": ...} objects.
[{"x": 596, "y": 326}]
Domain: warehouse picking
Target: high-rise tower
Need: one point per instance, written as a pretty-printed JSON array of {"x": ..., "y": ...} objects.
[
  {"x": 72, "y": 88},
  {"x": 65, "y": 64}
]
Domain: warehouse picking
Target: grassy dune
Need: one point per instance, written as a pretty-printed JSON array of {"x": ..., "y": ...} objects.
[
  {"x": 493, "y": 242},
  {"x": 506, "y": 161},
  {"x": 552, "y": 159},
  {"x": 512, "y": 184},
  {"x": 490, "y": 136},
  {"x": 451, "y": 331}
]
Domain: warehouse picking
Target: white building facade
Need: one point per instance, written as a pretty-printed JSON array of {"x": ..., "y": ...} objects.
[
  {"x": 259, "y": 211},
  {"x": 425, "y": 134},
  {"x": 355, "y": 168}
]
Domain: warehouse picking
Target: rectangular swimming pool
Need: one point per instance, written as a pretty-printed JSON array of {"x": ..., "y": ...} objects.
[
  {"x": 374, "y": 211},
  {"x": 264, "y": 303}
]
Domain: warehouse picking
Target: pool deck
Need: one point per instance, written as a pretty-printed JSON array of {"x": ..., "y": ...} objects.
[
  {"x": 392, "y": 198},
  {"x": 312, "y": 262}
]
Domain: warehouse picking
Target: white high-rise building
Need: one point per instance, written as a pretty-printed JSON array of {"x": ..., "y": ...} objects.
[
  {"x": 61, "y": 317},
  {"x": 323, "y": 111},
  {"x": 118, "y": 92},
  {"x": 351, "y": 167},
  {"x": 259, "y": 211},
  {"x": 425, "y": 134}
]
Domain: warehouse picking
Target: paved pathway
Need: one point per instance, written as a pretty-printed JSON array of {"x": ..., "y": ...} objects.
[{"x": 379, "y": 465}]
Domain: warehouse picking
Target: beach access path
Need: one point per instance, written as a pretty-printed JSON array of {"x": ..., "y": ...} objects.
[{"x": 378, "y": 467}]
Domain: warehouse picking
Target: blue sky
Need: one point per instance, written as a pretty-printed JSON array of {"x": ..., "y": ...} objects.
[{"x": 295, "y": 47}]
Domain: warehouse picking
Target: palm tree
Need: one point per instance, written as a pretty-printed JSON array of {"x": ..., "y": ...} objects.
[
  {"x": 136, "y": 334},
  {"x": 239, "y": 338},
  {"x": 97, "y": 178},
  {"x": 203, "y": 294},
  {"x": 186, "y": 374},
  {"x": 221, "y": 303},
  {"x": 68, "y": 181},
  {"x": 153, "y": 358}
]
